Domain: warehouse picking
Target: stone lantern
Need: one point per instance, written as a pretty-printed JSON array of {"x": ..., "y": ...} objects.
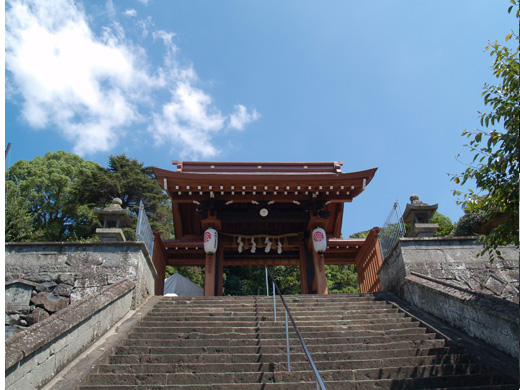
[
  {"x": 419, "y": 214},
  {"x": 114, "y": 218}
]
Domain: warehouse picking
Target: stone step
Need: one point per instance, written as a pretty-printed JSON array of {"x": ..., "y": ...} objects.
[
  {"x": 267, "y": 328},
  {"x": 268, "y": 302},
  {"x": 280, "y": 321},
  {"x": 166, "y": 335},
  {"x": 358, "y": 377},
  {"x": 301, "y": 323},
  {"x": 361, "y": 312},
  {"x": 366, "y": 385},
  {"x": 266, "y": 357},
  {"x": 269, "y": 306},
  {"x": 369, "y": 364},
  {"x": 295, "y": 311},
  {"x": 180, "y": 342},
  {"x": 262, "y": 298},
  {"x": 276, "y": 349},
  {"x": 240, "y": 316},
  {"x": 358, "y": 342},
  {"x": 260, "y": 301}
]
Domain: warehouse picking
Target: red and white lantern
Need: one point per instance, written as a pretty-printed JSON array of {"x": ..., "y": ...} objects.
[
  {"x": 210, "y": 241},
  {"x": 319, "y": 240}
]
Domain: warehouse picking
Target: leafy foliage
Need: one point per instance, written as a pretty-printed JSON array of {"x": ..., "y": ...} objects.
[
  {"x": 288, "y": 278},
  {"x": 444, "y": 222},
  {"x": 362, "y": 234},
  {"x": 495, "y": 164},
  {"x": 131, "y": 181},
  {"x": 193, "y": 273},
  {"x": 468, "y": 224},
  {"x": 19, "y": 223},
  {"x": 52, "y": 187},
  {"x": 342, "y": 279},
  {"x": 53, "y": 198},
  {"x": 251, "y": 280},
  {"x": 244, "y": 281}
]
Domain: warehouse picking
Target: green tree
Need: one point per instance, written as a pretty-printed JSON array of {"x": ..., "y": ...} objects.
[
  {"x": 495, "y": 164},
  {"x": 129, "y": 180},
  {"x": 362, "y": 234},
  {"x": 444, "y": 222},
  {"x": 288, "y": 277},
  {"x": 53, "y": 198},
  {"x": 19, "y": 223},
  {"x": 244, "y": 281},
  {"x": 468, "y": 224},
  {"x": 53, "y": 193},
  {"x": 193, "y": 273},
  {"x": 342, "y": 279}
]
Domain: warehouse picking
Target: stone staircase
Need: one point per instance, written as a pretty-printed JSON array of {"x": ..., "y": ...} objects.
[{"x": 357, "y": 342}]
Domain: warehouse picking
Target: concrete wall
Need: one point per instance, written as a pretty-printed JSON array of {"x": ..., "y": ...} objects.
[
  {"x": 65, "y": 273},
  {"x": 35, "y": 355},
  {"x": 444, "y": 277}
]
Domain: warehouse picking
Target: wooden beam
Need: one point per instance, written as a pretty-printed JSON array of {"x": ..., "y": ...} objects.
[
  {"x": 211, "y": 221},
  {"x": 280, "y": 196},
  {"x": 260, "y": 262},
  {"x": 253, "y": 215},
  {"x": 177, "y": 221},
  {"x": 339, "y": 219}
]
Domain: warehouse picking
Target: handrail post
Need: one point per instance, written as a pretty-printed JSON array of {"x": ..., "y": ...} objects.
[
  {"x": 266, "y": 281},
  {"x": 287, "y": 340},
  {"x": 319, "y": 381},
  {"x": 274, "y": 302}
]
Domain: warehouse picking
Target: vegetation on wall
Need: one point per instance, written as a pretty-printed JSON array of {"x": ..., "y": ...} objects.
[{"x": 494, "y": 168}]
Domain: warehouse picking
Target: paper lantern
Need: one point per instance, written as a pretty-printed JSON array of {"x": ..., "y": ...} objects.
[
  {"x": 210, "y": 241},
  {"x": 319, "y": 240}
]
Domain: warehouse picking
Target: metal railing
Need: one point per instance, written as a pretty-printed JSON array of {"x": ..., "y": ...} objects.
[
  {"x": 392, "y": 230},
  {"x": 144, "y": 232},
  {"x": 319, "y": 381}
]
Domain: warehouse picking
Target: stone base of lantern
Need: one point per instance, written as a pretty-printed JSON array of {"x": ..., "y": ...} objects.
[
  {"x": 424, "y": 230},
  {"x": 112, "y": 234}
]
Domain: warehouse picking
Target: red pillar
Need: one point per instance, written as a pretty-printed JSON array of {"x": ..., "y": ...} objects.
[
  {"x": 319, "y": 270},
  {"x": 220, "y": 271},
  {"x": 304, "y": 280},
  {"x": 209, "y": 277}
]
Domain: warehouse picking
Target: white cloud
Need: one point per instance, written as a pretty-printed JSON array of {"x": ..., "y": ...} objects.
[
  {"x": 167, "y": 39},
  {"x": 241, "y": 117},
  {"x": 144, "y": 25},
  {"x": 68, "y": 77},
  {"x": 189, "y": 119},
  {"x": 131, "y": 12},
  {"x": 92, "y": 88}
]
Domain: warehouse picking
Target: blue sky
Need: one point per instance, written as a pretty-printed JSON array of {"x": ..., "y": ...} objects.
[{"x": 387, "y": 84}]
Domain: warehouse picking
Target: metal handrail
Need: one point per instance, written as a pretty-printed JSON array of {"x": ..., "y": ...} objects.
[{"x": 319, "y": 381}]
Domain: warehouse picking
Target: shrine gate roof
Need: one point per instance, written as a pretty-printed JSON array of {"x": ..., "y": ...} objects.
[{"x": 236, "y": 191}]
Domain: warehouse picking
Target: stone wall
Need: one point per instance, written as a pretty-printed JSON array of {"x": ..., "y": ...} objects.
[
  {"x": 484, "y": 316},
  {"x": 446, "y": 278},
  {"x": 453, "y": 260},
  {"x": 42, "y": 278},
  {"x": 34, "y": 355}
]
